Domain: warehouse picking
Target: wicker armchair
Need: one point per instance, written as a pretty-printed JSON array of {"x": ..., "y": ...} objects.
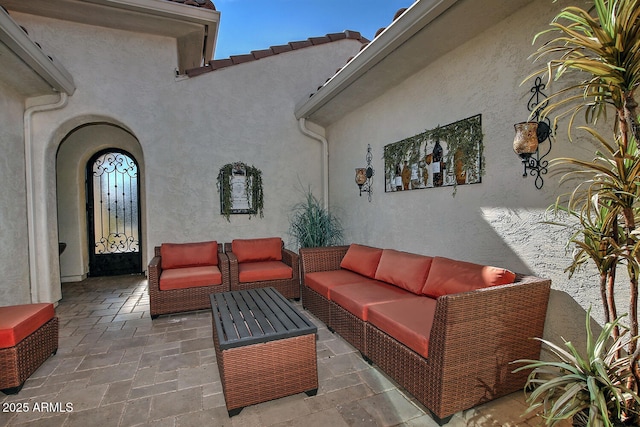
[
  {"x": 289, "y": 287},
  {"x": 191, "y": 294}
]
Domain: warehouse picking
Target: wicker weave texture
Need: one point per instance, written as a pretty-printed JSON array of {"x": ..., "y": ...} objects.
[
  {"x": 289, "y": 288},
  {"x": 348, "y": 326},
  {"x": 321, "y": 259},
  {"x": 261, "y": 372},
  {"x": 316, "y": 304},
  {"x": 179, "y": 300},
  {"x": 474, "y": 337},
  {"x": 17, "y": 363}
]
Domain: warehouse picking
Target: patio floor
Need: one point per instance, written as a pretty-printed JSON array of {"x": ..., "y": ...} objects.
[{"x": 116, "y": 367}]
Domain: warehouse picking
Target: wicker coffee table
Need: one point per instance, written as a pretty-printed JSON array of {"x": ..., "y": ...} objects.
[{"x": 265, "y": 348}]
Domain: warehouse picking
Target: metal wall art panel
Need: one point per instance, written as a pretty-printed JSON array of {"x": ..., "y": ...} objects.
[{"x": 449, "y": 155}]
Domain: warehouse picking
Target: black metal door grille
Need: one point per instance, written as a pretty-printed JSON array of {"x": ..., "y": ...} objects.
[{"x": 113, "y": 214}]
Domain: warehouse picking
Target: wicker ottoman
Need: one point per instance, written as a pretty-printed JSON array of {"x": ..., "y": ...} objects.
[
  {"x": 28, "y": 336},
  {"x": 265, "y": 348}
]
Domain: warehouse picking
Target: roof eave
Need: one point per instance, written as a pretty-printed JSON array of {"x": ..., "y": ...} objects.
[
  {"x": 423, "y": 33},
  {"x": 194, "y": 28},
  {"x": 34, "y": 61}
]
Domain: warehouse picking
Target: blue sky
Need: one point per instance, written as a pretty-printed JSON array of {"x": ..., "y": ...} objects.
[{"x": 247, "y": 25}]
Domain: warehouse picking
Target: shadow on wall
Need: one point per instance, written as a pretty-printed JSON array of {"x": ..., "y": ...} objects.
[{"x": 565, "y": 319}]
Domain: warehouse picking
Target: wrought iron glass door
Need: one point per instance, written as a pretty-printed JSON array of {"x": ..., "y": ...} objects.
[{"x": 113, "y": 214}]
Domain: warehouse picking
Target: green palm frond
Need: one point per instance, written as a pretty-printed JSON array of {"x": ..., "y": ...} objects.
[{"x": 572, "y": 383}]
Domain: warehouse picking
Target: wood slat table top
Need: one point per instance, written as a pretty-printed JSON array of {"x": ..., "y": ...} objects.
[{"x": 256, "y": 316}]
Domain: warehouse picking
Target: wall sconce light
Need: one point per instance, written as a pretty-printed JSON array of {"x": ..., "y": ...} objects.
[
  {"x": 529, "y": 136},
  {"x": 364, "y": 175}
]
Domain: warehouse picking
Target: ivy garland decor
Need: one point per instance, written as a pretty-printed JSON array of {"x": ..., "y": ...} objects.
[
  {"x": 462, "y": 141},
  {"x": 252, "y": 187}
]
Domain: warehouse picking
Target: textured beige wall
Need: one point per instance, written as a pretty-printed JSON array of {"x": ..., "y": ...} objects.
[
  {"x": 496, "y": 222},
  {"x": 14, "y": 265},
  {"x": 187, "y": 129}
]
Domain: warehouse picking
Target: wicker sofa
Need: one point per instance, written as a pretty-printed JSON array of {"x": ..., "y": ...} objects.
[
  {"x": 444, "y": 330},
  {"x": 181, "y": 276},
  {"x": 262, "y": 263}
]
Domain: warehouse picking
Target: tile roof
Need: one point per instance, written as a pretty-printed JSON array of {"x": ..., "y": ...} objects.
[
  {"x": 255, "y": 55},
  {"x": 206, "y": 4},
  {"x": 217, "y": 64}
]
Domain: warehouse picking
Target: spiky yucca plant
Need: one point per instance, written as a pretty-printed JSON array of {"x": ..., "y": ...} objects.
[
  {"x": 599, "y": 48},
  {"x": 593, "y": 385}
]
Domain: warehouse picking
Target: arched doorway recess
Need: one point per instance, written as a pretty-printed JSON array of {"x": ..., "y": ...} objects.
[{"x": 76, "y": 150}]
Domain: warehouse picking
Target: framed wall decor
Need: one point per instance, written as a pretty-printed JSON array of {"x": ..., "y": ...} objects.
[
  {"x": 240, "y": 188},
  {"x": 449, "y": 155}
]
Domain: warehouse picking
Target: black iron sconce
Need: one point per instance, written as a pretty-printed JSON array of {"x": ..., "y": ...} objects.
[
  {"x": 364, "y": 175},
  {"x": 530, "y": 134}
]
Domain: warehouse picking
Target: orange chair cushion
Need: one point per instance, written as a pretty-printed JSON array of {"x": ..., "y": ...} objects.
[
  {"x": 190, "y": 277},
  {"x": 180, "y": 255},
  {"x": 263, "y": 270},
  {"x": 251, "y": 250},
  {"x": 449, "y": 276},
  {"x": 357, "y": 298},
  {"x": 408, "y": 321},
  {"x": 409, "y": 271},
  {"x": 362, "y": 259},
  {"x": 19, "y": 321},
  {"x": 324, "y": 281}
]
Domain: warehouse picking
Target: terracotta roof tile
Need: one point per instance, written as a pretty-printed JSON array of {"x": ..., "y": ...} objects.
[
  {"x": 319, "y": 40},
  {"x": 281, "y": 48},
  {"x": 273, "y": 50}
]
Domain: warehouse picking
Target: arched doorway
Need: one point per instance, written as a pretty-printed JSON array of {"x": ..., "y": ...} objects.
[{"x": 113, "y": 213}]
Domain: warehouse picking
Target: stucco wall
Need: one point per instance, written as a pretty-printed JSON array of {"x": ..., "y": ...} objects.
[
  {"x": 14, "y": 274},
  {"x": 187, "y": 130},
  {"x": 496, "y": 222}
]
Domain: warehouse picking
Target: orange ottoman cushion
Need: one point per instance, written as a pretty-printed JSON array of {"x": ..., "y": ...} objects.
[
  {"x": 263, "y": 270},
  {"x": 190, "y": 277},
  {"x": 19, "y": 321}
]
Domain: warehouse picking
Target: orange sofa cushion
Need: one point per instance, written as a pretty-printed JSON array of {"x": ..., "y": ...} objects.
[
  {"x": 449, "y": 276},
  {"x": 251, "y": 250},
  {"x": 357, "y": 298},
  {"x": 324, "y": 281},
  {"x": 180, "y": 255},
  {"x": 408, "y": 321},
  {"x": 190, "y": 277},
  {"x": 362, "y": 259},
  {"x": 19, "y": 321},
  {"x": 409, "y": 271},
  {"x": 263, "y": 270}
]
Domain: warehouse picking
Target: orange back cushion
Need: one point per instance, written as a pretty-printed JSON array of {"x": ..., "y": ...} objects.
[
  {"x": 180, "y": 255},
  {"x": 362, "y": 260},
  {"x": 408, "y": 271},
  {"x": 252, "y": 250},
  {"x": 449, "y": 276}
]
